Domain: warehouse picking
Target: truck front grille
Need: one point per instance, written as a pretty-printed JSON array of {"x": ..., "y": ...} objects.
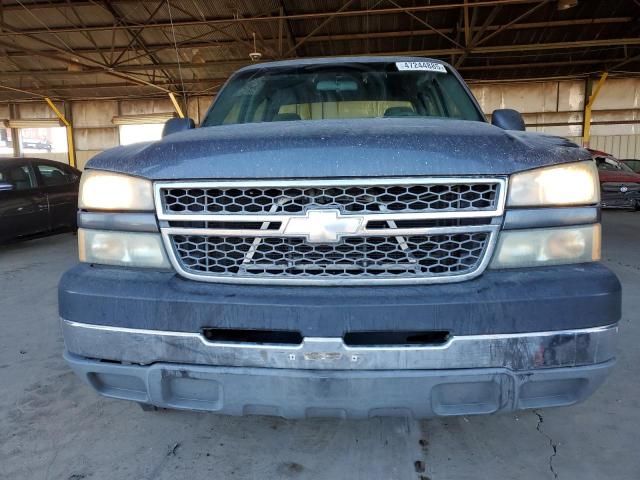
[
  {"x": 448, "y": 197},
  {"x": 354, "y": 257},
  {"x": 331, "y": 231}
]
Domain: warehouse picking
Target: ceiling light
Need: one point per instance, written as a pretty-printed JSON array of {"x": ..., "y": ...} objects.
[
  {"x": 566, "y": 4},
  {"x": 255, "y": 55},
  {"x": 196, "y": 56},
  {"x": 74, "y": 67}
]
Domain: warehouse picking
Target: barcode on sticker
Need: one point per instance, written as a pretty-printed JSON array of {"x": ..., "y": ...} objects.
[{"x": 421, "y": 66}]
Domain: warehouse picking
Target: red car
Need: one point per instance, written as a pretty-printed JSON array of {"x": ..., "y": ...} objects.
[
  {"x": 633, "y": 164},
  {"x": 619, "y": 184}
]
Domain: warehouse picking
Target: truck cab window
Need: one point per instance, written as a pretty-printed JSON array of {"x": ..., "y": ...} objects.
[{"x": 347, "y": 91}]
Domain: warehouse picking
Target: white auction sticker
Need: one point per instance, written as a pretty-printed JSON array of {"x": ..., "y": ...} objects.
[{"x": 421, "y": 66}]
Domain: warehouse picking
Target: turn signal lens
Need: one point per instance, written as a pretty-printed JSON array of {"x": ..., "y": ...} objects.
[
  {"x": 122, "y": 248},
  {"x": 547, "y": 246}
]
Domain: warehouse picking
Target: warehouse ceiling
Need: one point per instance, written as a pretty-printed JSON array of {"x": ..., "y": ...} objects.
[{"x": 129, "y": 48}]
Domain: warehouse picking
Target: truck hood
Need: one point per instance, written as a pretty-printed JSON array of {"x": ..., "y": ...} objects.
[{"x": 339, "y": 148}]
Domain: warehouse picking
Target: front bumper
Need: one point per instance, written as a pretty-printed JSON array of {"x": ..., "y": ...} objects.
[
  {"x": 517, "y": 339},
  {"x": 520, "y": 351},
  {"x": 324, "y": 377},
  {"x": 524, "y": 300},
  {"x": 339, "y": 393},
  {"x": 617, "y": 199}
]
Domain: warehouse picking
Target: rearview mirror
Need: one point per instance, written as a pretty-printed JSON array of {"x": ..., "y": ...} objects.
[
  {"x": 6, "y": 187},
  {"x": 337, "y": 85},
  {"x": 507, "y": 119},
  {"x": 175, "y": 125}
]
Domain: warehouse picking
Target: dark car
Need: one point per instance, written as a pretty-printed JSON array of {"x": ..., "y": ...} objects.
[
  {"x": 37, "y": 144},
  {"x": 632, "y": 164},
  {"x": 36, "y": 196},
  {"x": 619, "y": 184}
]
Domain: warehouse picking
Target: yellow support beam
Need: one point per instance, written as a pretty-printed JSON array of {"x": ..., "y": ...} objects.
[
  {"x": 176, "y": 105},
  {"x": 586, "y": 126},
  {"x": 69, "y": 127}
]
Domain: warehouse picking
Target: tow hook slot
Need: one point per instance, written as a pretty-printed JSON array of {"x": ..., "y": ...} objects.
[
  {"x": 396, "y": 338},
  {"x": 264, "y": 337}
]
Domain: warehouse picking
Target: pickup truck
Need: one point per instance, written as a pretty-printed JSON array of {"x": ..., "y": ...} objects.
[{"x": 342, "y": 237}]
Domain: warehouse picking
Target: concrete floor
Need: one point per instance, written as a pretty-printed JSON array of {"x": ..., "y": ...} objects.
[{"x": 54, "y": 427}]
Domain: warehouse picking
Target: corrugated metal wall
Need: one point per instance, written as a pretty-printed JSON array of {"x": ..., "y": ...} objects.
[
  {"x": 93, "y": 128},
  {"x": 620, "y": 146},
  {"x": 557, "y": 108}
]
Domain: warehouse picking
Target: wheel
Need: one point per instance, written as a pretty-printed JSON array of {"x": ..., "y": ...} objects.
[
  {"x": 146, "y": 407},
  {"x": 637, "y": 206}
]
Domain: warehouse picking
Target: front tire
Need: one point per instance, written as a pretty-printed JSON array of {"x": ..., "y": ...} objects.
[{"x": 146, "y": 407}]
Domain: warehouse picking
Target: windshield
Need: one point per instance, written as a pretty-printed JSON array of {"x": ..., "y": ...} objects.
[
  {"x": 343, "y": 91},
  {"x": 612, "y": 165}
]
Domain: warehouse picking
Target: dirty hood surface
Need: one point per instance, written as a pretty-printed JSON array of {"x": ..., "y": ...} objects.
[{"x": 339, "y": 148}]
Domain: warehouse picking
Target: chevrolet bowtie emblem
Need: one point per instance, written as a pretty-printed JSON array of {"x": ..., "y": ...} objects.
[{"x": 323, "y": 226}]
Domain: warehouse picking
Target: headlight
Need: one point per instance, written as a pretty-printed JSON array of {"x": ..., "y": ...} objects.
[
  {"x": 122, "y": 248},
  {"x": 547, "y": 246},
  {"x": 113, "y": 191},
  {"x": 567, "y": 184}
]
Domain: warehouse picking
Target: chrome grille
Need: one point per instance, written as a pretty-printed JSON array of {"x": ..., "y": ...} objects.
[
  {"x": 416, "y": 256},
  {"x": 375, "y": 198},
  {"x": 416, "y": 230}
]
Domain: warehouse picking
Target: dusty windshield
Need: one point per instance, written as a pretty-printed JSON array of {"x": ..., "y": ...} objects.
[{"x": 343, "y": 91}]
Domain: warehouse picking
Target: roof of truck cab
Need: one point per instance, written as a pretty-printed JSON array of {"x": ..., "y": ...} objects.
[{"x": 337, "y": 61}]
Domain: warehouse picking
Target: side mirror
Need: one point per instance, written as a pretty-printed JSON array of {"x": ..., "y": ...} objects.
[
  {"x": 6, "y": 187},
  {"x": 507, "y": 119},
  {"x": 175, "y": 125}
]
